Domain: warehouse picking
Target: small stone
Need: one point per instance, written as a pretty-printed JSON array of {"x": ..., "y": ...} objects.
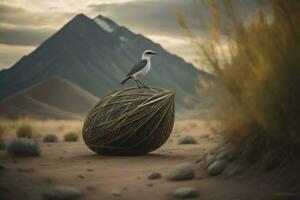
[
  {"x": 216, "y": 168},
  {"x": 187, "y": 140},
  {"x": 222, "y": 155},
  {"x": 286, "y": 196},
  {"x": 227, "y": 154},
  {"x": 62, "y": 193},
  {"x": 184, "y": 171},
  {"x": 185, "y": 193},
  {"x": 90, "y": 170},
  {"x": 209, "y": 159},
  {"x": 80, "y": 176},
  {"x": 154, "y": 175},
  {"x": 116, "y": 193}
]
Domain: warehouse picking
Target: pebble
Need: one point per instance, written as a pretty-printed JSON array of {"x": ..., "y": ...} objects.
[
  {"x": 154, "y": 175},
  {"x": 62, "y": 193},
  {"x": 116, "y": 193},
  {"x": 80, "y": 176},
  {"x": 216, "y": 168},
  {"x": 184, "y": 171},
  {"x": 185, "y": 193},
  {"x": 187, "y": 140},
  {"x": 209, "y": 159}
]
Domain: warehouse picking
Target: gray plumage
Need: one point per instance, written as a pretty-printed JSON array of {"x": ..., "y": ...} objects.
[{"x": 139, "y": 66}]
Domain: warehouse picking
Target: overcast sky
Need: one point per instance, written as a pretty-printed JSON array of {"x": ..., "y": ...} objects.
[{"x": 25, "y": 24}]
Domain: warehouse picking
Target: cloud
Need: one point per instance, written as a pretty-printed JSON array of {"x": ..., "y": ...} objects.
[
  {"x": 25, "y": 36},
  {"x": 10, "y": 54},
  {"x": 10, "y": 14},
  {"x": 149, "y": 17}
]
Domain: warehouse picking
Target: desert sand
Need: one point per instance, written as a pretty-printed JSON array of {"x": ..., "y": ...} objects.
[{"x": 73, "y": 164}]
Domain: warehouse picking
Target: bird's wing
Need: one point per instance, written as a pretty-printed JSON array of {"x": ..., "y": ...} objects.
[{"x": 139, "y": 66}]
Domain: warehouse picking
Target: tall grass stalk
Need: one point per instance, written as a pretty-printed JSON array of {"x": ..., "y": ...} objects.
[{"x": 259, "y": 72}]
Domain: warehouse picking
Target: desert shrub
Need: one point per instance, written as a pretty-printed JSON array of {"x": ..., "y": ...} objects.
[
  {"x": 71, "y": 137},
  {"x": 50, "y": 138},
  {"x": 24, "y": 130},
  {"x": 259, "y": 72},
  {"x": 23, "y": 147},
  {"x": 187, "y": 140}
]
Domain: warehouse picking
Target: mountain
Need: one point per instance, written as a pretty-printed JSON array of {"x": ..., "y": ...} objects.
[
  {"x": 95, "y": 54},
  {"x": 52, "y": 98}
]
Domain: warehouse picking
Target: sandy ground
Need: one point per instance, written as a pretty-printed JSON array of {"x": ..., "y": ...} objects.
[{"x": 73, "y": 164}]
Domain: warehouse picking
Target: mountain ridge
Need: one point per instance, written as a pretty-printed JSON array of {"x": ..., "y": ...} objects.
[
  {"x": 51, "y": 98},
  {"x": 96, "y": 60}
]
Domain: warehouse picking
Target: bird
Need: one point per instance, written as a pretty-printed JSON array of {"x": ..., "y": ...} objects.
[{"x": 140, "y": 69}]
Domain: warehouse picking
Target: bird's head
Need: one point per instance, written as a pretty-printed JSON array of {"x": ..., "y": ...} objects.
[{"x": 148, "y": 54}]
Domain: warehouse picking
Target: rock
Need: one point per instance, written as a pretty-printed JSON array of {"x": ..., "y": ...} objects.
[
  {"x": 62, "y": 193},
  {"x": 184, "y": 171},
  {"x": 216, "y": 167},
  {"x": 286, "y": 196},
  {"x": 208, "y": 160},
  {"x": 116, "y": 193},
  {"x": 227, "y": 154},
  {"x": 185, "y": 193},
  {"x": 80, "y": 176},
  {"x": 154, "y": 175},
  {"x": 187, "y": 140}
]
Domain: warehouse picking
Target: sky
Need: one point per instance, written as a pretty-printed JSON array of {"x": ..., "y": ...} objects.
[{"x": 25, "y": 24}]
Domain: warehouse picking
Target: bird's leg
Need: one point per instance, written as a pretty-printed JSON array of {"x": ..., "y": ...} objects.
[
  {"x": 143, "y": 84},
  {"x": 137, "y": 83}
]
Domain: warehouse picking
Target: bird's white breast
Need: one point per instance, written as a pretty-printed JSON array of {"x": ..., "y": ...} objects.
[{"x": 140, "y": 74}]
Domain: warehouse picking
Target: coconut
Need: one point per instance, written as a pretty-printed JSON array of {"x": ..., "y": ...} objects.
[{"x": 131, "y": 121}]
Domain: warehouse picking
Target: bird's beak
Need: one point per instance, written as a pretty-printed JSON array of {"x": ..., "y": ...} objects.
[{"x": 154, "y": 53}]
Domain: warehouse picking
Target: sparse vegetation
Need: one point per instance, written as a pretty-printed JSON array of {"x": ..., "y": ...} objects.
[
  {"x": 257, "y": 64},
  {"x": 23, "y": 147},
  {"x": 50, "y": 138},
  {"x": 24, "y": 130},
  {"x": 71, "y": 137}
]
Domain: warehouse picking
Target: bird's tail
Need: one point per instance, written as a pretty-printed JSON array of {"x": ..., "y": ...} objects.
[{"x": 125, "y": 79}]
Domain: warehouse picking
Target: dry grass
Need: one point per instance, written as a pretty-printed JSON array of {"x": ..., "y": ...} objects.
[
  {"x": 259, "y": 74},
  {"x": 41, "y": 127}
]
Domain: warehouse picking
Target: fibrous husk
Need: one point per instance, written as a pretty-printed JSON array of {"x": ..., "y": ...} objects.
[{"x": 132, "y": 121}]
